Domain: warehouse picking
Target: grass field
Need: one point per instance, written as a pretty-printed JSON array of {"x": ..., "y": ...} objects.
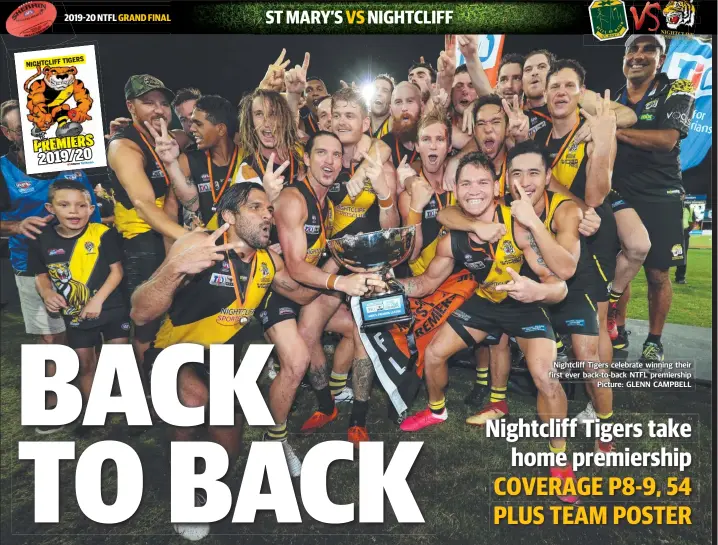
[
  {"x": 692, "y": 302},
  {"x": 451, "y": 480}
]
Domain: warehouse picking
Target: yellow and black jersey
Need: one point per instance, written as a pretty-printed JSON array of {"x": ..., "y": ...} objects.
[
  {"x": 319, "y": 222},
  {"x": 217, "y": 303},
  {"x": 351, "y": 217},
  {"x": 382, "y": 130},
  {"x": 568, "y": 158},
  {"x": 579, "y": 281},
  {"x": 78, "y": 266},
  {"x": 398, "y": 151},
  {"x": 127, "y": 221},
  {"x": 488, "y": 262},
  {"x": 431, "y": 230},
  {"x": 211, "y": 182}
]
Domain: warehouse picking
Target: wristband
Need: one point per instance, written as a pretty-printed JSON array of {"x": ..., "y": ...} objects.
[
  {"x": 414, "y": 217},
  {"x": 388, "y": 202},
  {"x": 331, "y": 281}
]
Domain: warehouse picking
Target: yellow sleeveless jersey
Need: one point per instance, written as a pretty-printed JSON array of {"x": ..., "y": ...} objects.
[
  {"x": 127, "y": 221},
  {"x": 216, "y": 304},
  {"x": 352, "y": 217},
  {"x": 568, "y": 159},
  {"x": 489, "y": 262}
]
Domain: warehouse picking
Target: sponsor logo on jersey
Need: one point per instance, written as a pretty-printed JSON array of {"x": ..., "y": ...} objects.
[
  {"x": 56, "y": 251},
  {"x": 203, "y": 187},
  {"x": 24, "y": 187},
  {"x": 221, "y": 280}
]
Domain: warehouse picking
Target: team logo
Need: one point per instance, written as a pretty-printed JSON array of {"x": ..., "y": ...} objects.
[
  {"x": 74, "y": 175},
  {"x": 55, "y": 251},
  {"x": 125, "y": 326},
  {"x": 90, "y": 247},
  {"x": 677, "y": 251},
  {"x": 225, "y": 265},
  {"x": 608, "y": 19},
  {"x": 24, "y": 187},
  {"x": 157, "y": 173},
  {"x": 508, "y": 247},
  {"x": 652, "y": 104},
  {"x": 221, "y": 280},
  {"x": 265, "y": 269},
  {"x": 468, "y": 257},
  {"x": 679, "y": 12}
]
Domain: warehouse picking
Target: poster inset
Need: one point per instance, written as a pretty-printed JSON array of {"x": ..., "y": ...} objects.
[{"x": 60, "y": 109}]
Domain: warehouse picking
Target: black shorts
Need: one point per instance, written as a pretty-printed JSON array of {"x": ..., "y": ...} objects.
[
  {"x": 575, "y": 315},
  {"x": 490, "y": 340},
  {"x": 112, "y": 324},
  {"x": 664, "y": 223},
  {"x": 617, "y": 202},
  {"x": 143, "y": 255},
  {"x": 522, "y": 320},
  {"x": 603, "y": 248},
  {"x": 276, "y": 308}
]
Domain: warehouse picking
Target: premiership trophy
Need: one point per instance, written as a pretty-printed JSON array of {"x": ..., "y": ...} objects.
[{"x": 378, "y": 252}]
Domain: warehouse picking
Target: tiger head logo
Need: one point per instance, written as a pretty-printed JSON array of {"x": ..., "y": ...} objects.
[
  {"x": 679, "y": 12},
  {"x": 59, "y": 273},
  {"x": 75, "y": 293}
]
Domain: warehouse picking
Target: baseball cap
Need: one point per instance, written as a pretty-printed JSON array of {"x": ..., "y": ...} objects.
[
  {"x": 659, "y": 40},
  {"x": 141, "y": 84}
]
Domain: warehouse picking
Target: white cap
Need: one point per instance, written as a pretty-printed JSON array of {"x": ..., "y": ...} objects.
[{"x": 657, "y": 38}]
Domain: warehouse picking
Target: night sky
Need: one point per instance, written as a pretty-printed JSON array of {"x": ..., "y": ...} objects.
[{"x": 231, "y": 65}]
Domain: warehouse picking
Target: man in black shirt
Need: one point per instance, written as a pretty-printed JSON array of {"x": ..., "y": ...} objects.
[{"x": 648, "y": 172}]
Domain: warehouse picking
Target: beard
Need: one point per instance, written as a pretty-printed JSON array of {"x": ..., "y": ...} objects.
[
  {"x": 252, "y": 234},
  {"x": 405, "y": 131}
]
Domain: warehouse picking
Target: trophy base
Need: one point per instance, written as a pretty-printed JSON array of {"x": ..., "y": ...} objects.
[{"x": 383, "y": 310}]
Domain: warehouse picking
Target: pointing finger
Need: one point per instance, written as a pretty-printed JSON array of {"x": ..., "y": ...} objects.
[
  {"x": 219, "y": 232},
  {"x": 513, "y": 274},
  {"x": 270, "y": 164},
  {"x": 520, "y": 191},
  {"x": 305, "y": 64}
]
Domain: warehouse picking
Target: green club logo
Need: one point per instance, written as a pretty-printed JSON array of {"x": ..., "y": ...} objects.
[{"x": 608, "y": 19}]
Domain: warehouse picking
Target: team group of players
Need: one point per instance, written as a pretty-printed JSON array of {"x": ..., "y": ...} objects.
[{"x": 535, "y": 203}]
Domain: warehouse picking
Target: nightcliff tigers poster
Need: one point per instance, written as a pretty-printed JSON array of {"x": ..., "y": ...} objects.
[{"x": 61, "y": 109}]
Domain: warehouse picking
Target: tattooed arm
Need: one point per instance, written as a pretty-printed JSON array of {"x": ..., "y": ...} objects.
[
  {"x": 182, "y": 184},
  {"x": 439, "y": 270},
  {"x": 285, "y": 285},
  {"x": 550, "y": 290}
]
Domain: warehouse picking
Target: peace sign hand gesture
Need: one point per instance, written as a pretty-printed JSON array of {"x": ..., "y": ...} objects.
[
  {"x": 522, "y": 209},
  {"x": 296, "y": 79},
  {"x": 603, "y": 124},
  {"x": 446, "y": 64},
  {"x": 274, "y": 78},
  {"x": 273, "y": 181},
  {"x": 375, "y": 174},
  {"x": 198, "y": 250},
  {"x": 518, "y": 127},
  {"x": 166, "y": 146}
]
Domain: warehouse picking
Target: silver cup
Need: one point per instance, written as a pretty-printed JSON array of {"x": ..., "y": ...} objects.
[{"x": 378, "y": 251}]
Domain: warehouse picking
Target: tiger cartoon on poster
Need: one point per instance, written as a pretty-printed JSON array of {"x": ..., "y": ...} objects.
[{"x": 48, "y": 101}]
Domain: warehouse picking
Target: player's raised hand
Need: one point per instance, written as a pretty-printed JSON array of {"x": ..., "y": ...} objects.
[
  {"x": 295, "y": 80},
  {"x": 375, "y": 172},
  {"x": 166, "y": 146},
  {"x": 522, "y": 208},
  {"x": 274, "y": 77},
  {"x": 404, "y": 171},
  {"x": 273, "y": 181},
  {"x": 198, "y": 250},
  {"x": 518, "y": 126},
  {"x": 520, "y": 288},
  {"x": 468, "y": 45},
  {"x": 603, "y": 123},
  {"x": 117, "y": 124}
]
